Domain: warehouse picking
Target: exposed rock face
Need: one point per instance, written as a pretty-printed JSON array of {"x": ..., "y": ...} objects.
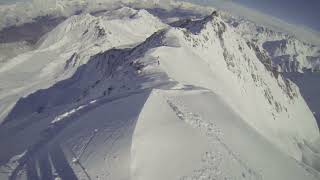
[{"x": 124, "y": 94}]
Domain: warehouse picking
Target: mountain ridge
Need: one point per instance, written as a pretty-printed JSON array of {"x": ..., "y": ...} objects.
[{"x": 114, "y": 95}]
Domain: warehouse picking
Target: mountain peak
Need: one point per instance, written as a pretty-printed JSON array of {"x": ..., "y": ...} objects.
[
  {"x": 196, "y": 25},
  {"x": 120, "y": 90}
]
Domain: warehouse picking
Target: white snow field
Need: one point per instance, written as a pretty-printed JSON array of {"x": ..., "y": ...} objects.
[
  {"x": 148, "y": 90},
  {"x": 66, "y": 48}
]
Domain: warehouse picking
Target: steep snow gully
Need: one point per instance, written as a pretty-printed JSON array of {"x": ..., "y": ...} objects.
[{"x": 160, "y": 95}]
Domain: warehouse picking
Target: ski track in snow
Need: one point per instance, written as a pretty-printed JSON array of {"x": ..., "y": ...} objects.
[
  {"x": 212, "y": 160},
  {"x": 57, "y": 125},
  {"x": 47, "y": 154}
]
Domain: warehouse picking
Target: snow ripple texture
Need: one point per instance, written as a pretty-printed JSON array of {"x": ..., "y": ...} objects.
[{"x": 213, "y": 161}]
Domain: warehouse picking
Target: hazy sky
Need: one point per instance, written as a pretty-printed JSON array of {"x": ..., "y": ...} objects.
[
  {"x": 306, "y": 12},
  {"x": 298, "y": 11}
]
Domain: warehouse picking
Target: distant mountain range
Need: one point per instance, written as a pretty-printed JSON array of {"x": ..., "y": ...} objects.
[{"x": 154, "y": 90}]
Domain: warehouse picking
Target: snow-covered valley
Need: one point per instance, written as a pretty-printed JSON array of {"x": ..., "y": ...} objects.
[{"x": 157, "y": 91}]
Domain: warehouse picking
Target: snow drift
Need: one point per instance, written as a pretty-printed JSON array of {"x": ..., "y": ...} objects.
[{"x": 123, "y": 95}]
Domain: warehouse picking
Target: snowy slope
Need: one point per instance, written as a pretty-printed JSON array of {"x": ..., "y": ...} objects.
[
  {"x": 295, "y": 59},
  {"x": 206, "y": 140},
  {"x": 230, "y": 68},
  {"x": 122, "y": 95},
  {"x": 67, "y": 47},
  {"x": 287, "y": 52}
]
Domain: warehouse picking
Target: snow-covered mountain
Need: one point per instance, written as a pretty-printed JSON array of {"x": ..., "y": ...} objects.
[
  {"x": 156, "y": 90},
  {"x": 300, "y": 31},
  {"x": 297, "y": 60},
  {"x": 287, "y": 52}
]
